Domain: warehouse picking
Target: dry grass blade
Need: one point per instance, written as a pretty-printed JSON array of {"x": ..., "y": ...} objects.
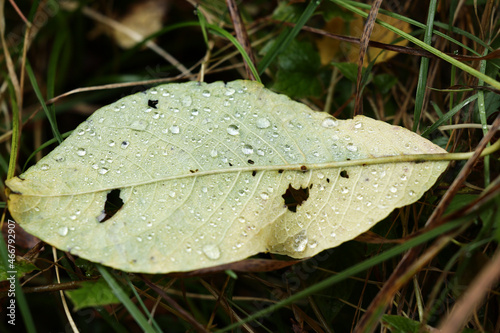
[
  {"x": 464, "y": 308},
  {"x": 363, "y": 46},
  {"x": 241, "y": 34},
  {"x": 374, "y": 311},
  {"x": 187, "y": 316}
]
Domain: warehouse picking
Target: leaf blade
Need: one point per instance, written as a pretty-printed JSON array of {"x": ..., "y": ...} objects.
[{"x": 203, "y": 171}]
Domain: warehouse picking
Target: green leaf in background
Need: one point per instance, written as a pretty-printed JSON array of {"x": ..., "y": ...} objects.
[
  {"x": 348, "y": 69},
  {"x": 384, "y": 82},
  {"x": 193, "y": 175},
  {"x": 92, "y": 293},
  {"x": 22, "y": 267},
  {"x": 398, "y": 324},
  {"x": 298, "y": 71}
]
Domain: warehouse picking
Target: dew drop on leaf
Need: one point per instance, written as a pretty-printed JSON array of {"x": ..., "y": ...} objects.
[
  {"x": 63, "y": 231},
  {"x": 233, "y": 130},
  {"x": 247, "y": 149},
  {"x": 175, "y": 129},
  {"x": 212, "y": 251},
  {"x": 262, "y": 123},
  {"x": 329, "y": 122}
]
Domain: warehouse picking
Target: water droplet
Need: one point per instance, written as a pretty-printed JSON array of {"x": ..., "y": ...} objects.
[
  {"x": 175, "y": 129},
  {"x": 264, "y": 196},
  {"x": 111, "y": 143},
  {"x": 204, "y": 189},
  {"x": 412, "y": 193},
  {"x": 139, "y": 239},
  {"x": 172, "y": 194},
  {"x": 229, "y": 91},
  {"x": 351, "y": 147},
  {"x": 212, "y": 251},
  {"x": 333, "y": 234},
  {"x": 344, "y": 190},
  {"x": 195, "y": 112},
  {"x": 139, "y": 125},
  {"x": 103, "y": 171},
  {"x": 187, "y": 101},
  {"x": 81, "y": 152},
  {"x": 45, "y": 167},
  {"x": 213, "y": 153},
  {"x": 403, "y": 177},
  {"x": 247, "y": 149},
  {"x": 358, "y": 125},
  {"x": 263, "y": 123},
  {"x": 300, "y": 241},
  {"x": 329, "y": 122},
  {"x": 63, "y": 231},
  {"x": 124, "y": 144},
  {"x": 233, "y": 130},
  {"x": 313, "y": 244},
  {"x": 393, "y": 189},
  {"x": 206, "y": 93}
]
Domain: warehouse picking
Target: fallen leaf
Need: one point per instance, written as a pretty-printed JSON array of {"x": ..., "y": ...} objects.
[
  {"x": 144, "y": 18},
  {"x": 329, "y": 48},
  {"x": 207, "y": 174}
]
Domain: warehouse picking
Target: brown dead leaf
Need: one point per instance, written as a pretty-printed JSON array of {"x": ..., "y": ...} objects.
[
  {"x": 145, "y": 18},
  {"x": 330, "y": 49}
]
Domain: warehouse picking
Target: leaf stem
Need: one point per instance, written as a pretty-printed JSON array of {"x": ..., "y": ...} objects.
[{"x": 418, "y": 158}]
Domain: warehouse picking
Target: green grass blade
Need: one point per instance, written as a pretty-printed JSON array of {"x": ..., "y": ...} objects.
[
  {"x": 122, "y": 296},
  {"x": 398, "y": 249},
  {"x": 424, "y": 66},
  {"x": 466, "y": 68},
  {"x": 53, "y": 64},
  {"x": 203, "y": 25},
  {"x": 448, "y": 115},
  {"x": 240, "y": 48},
  {"x": 484, "y": 122},
  {"x": 50, "y": 116},
  {"x": 14, "y": 145},
  {"x": 143, "y": 306},
  {"x": 287, "y": 36},
  {"x": 436, "y": 23}
]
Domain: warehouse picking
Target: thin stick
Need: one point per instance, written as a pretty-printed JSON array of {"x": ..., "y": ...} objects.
[
  {"x": 241, "y": 35},
  {"x": 363, "y": 46},
  {"x": 63, "y": 299}
]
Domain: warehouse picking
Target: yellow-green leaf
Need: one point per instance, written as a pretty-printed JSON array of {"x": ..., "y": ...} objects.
[{"x": 214, "y": 173}]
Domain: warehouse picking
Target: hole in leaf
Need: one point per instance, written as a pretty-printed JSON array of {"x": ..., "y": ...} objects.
[
  {"x": 152, "y": 103},
  {"x": 294, "y": 197},
  {"x": 112, "y": 205},
  {"x": 344, "y": 174}
]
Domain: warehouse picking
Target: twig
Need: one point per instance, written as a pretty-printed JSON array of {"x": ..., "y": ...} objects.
[
  {"x": 187, "y": 316},
  {"x": 241, "y": 34},
  {"x": 363, "y": 46}
]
